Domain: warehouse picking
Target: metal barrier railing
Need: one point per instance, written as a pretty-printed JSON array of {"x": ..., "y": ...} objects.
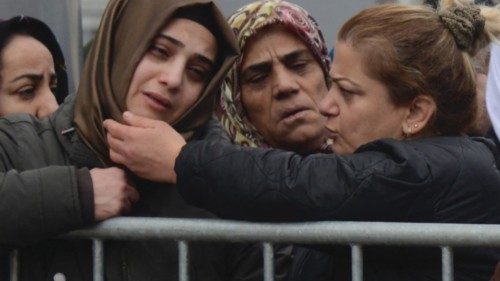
[{"x": 354, "y": 234}]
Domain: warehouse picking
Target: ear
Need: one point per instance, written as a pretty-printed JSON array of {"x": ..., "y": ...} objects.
[{"x": 421, "y": 110}]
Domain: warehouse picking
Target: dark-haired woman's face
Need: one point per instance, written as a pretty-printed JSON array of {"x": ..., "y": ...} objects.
[
  {"x": 28, "y": 78},
  {"x": 173, "y": 73}
]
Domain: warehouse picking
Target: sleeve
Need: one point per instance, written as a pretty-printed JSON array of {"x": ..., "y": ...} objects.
[
  {"x": 39, "y": 204},
  {"x": 214, "y": 132},
  {"x": 255, "y": 184},
  {"x": 275, "y": 185},
  {"x": 38, "y": 200}
]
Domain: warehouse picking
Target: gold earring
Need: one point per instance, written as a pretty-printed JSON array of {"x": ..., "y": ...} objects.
[{"x": 415, "y": 126}]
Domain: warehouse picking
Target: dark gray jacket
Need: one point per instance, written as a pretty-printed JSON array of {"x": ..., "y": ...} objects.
[
  {"x": 46, "y": 190},
  {"x": 442, "y": 179}
]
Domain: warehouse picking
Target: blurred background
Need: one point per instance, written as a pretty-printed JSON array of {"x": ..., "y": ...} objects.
[{"x": 75, "y": 21}]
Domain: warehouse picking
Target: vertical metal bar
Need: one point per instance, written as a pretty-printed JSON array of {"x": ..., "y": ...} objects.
[
  {"x": 75, "y": 51},
  {"x": 183, "y": 261},
  {"x": 14, "y": 265},
  {"x": 98, "y": 252},
  {"x": 357, "y": 262},
  {"x": 268, "y": 253},
  {"x": 447, "y": 263}
]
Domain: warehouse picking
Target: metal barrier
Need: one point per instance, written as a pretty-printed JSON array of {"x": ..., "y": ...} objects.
[{"x": 355, "y": 234}]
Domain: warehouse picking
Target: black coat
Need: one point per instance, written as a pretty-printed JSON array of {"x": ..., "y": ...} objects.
[
  {"x": 444, "y": 180},
  {"x": 39, "y": 199}
]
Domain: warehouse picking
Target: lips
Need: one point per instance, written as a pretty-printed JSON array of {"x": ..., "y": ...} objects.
[
  {"x": 157, "y": 101},
  {"x": 291, "y": 113},
  {"x": 331, "y": 134}
]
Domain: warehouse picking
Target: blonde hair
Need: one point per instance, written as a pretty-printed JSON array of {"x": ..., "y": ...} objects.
[{"x": 414, "y": 50}]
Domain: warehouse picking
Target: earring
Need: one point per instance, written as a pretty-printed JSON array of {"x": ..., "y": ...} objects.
[{"x": 415, "y": 126}]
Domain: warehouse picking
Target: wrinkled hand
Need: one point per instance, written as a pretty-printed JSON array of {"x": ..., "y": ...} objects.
[
  {"x": 113, "y": 193},
  {"x": 147, "y": 147}
]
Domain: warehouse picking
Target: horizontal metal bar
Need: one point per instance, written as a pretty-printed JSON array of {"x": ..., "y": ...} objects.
[{"x": 318, "y": 232}]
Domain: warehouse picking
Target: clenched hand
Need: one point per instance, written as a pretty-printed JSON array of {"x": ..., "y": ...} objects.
[{"x": 113, "y": 193}]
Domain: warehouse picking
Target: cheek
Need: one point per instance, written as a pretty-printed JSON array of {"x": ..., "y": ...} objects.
[
  {"x": 316, "y": 89},
  {"x": 11, "y": 104},
  {"x": 320, "y": 92},
  {"x": 356, "y": 125},
  {"x": 144, "y": 71},
  {"x": 253, "y": 103},
  {"x": 194, "y": 94}
]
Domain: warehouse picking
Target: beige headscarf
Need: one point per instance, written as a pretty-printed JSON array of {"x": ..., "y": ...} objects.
[{"x": 126, "y": 32}]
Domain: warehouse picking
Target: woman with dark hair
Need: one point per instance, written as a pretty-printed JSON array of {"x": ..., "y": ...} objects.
[
  {"x": 33, "y": 75},
  {"x": 403, "y": 93}
]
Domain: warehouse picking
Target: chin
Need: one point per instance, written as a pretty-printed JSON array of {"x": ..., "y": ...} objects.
[{"x": 149, "y": 114}]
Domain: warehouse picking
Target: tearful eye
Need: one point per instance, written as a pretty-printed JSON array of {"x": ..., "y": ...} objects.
[
  {"x": 198, "y": 74},
  {"x": 26, "y": 93},
  {"x": 159, "y": 52}
]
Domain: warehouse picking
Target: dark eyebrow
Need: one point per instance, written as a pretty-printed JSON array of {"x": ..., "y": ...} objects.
[
  {"x": 173, "y": 40},
  {"x": 31, "y": 76},
  {"x": 266, "y": 65},
  {"x": 178, "y": 43},
  {"x": 293, "y": 56}
]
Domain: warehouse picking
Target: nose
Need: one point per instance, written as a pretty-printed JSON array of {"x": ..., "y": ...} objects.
[
  {"x": 47, "y": 103},
  {"x": 285, "y": 84},
  {"x": 328, "y": 106},
  {"x": 171, "y": 75}
]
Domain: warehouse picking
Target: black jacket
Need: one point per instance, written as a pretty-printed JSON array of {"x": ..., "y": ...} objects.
[
  {"x": 42, "y": 167},
  {"x": 445, "y": 180}
]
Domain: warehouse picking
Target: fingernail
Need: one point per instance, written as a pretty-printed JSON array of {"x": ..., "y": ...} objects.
[{"x": 127, "y": 114}]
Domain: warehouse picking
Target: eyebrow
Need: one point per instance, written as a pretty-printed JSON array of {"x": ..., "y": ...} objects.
[
  {"x": 340, "y": 79},
  {"x": 178, "y": 43},
  {"x": 290, "y": 57},
  {"x": 266, "y": 65},
  {"x": 33, "y": 77}
]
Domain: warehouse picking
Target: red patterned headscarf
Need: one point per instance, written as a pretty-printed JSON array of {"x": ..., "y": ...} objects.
[{"x": 246, "y": 22}]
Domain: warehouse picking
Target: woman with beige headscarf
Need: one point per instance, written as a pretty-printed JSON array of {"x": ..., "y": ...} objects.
[{"x": 156, "y": 58}]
